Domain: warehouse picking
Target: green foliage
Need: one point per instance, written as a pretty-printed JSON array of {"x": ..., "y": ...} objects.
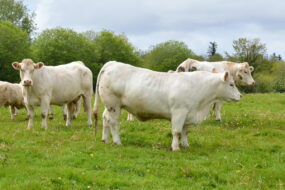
[
  {"x": 112, "y": 47},
  {"x": 14, "y": 46},
  {"x": 249, "y": 50},
  {"x": 272, "y": 79},
  {"x": 245, "y": 151},
  {"x": 212, "y": 49},
  {"x": 216, "y": 57},
  {"x": 167, "y": 55},
  {"x": 60, "y": 46},
  {"x": 17, "y": 13}
]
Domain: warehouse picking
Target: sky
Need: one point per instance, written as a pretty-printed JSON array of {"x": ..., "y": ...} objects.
[{"x": 149, "y": 22}]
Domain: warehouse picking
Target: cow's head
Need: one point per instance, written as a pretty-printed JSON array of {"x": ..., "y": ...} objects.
[
  {"x": 243, "y": 76},
  {"x": 188, "y": 65},
  {"x": 228, "y": 90},
  {"x": 26, "y": 68}
]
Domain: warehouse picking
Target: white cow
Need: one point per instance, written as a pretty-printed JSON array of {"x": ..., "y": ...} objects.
[
  {"x": 182, "y": 98},
  {"x": 11, "y": 95},
  {"x": 241, "y": 73},
  {"x": 59, "y": 85},
  {"x": 130, "y": 116}
]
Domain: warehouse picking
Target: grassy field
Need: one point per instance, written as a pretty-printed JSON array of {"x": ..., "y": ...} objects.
[{"x": 245, "y": 151}]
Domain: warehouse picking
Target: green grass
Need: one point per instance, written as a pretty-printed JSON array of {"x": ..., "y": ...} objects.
[{"x": 245, "y": 151}]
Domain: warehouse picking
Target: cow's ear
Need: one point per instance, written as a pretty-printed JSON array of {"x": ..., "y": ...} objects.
[
  {"x": 226, "y": 76},
  {"x": 16, "y": 65},
  {"x": 193, "y": 68},
  {"x": 251, "y": 68},
  {"x": 181, "y": 69},
  {"x": 39, "y": 65}
]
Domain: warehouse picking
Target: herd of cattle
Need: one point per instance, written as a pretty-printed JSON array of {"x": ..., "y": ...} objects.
[{"x": 184, "y": 97}]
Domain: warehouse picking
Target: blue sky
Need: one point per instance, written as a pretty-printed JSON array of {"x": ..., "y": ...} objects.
[{"x": 148, "y": 22}]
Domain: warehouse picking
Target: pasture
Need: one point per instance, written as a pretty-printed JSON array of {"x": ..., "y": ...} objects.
[{"x": 245, "y": 151}]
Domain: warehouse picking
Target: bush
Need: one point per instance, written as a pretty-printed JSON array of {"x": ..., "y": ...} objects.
[{"x": 14, "y": 46}]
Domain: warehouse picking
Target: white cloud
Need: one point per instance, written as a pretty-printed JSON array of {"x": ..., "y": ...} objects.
[{"x": 148, "y": 22}]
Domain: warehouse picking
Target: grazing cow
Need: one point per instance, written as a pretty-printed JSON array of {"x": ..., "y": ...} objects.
[
  {"x": 241, "y": 73},
  {"x": 182, "y": 98},
  {"x": 11, "y": 95},
  {"x": 58, "y": 85}
]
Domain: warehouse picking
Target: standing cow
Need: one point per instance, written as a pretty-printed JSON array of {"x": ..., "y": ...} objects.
[
  {"x": 182, "y": 98},
  {"x": 11, "y": 95},
  {"x": 241, "y": 73},
  {"x": 59, "y": 85}
]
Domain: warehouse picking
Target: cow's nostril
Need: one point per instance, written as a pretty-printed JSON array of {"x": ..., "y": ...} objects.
[{"x": 253, "y": 83}]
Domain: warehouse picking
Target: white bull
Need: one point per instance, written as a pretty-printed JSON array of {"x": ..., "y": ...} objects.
[
  {"x": 182, "y": 98},
  {"x": 241, "y": 73},
  {"x": 59, "y": 85}
]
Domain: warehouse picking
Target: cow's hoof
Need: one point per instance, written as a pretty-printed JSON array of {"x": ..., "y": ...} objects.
[
  {"x": 118, "y": 143},
  {"x": 218, "y": 120},
  {"x": 176, "y": 149},
  {"x": 185, "y": 145},
  {"x": 50, "y": 117}
]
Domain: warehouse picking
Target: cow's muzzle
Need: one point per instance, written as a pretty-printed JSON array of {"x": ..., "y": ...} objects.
[{"x": 27, "y": 83}]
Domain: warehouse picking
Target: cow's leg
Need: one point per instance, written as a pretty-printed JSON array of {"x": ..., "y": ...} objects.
[
  {"x": 64, "y": 111},
  {"x": 77, "y": 108},
  {"x": 87, "y": 106},
  {"x": 184, "y": 140},
  {"x": 69, "y": 108},
  {"x": 50, "y": 115},
  {"x": 45, "y": 105},
  {"x": 217, "y": 109},
  {"x": 177, "y": 121},
  {"x": 130, "y": 117},
  {"x": 114, "y": 113},
  {"x": 12, "y": 112},
  {"x": 106, "y": 127},
  {"x": 31, "y": 115}
]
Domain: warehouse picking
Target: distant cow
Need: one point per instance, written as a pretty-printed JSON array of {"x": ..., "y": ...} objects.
[
  {"x": 241, "y": 73},
  {"x": 59, "y": 85},
  {"x": 11, "y": 95},
  {"x": 183, "y": 98}
]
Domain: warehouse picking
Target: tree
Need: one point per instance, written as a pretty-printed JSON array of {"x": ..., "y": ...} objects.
[
  {"x": 216, "y": 57},
  {"x": 14, "y": 46},
  {"x": 60, "y": 46},
  {"x": 212, "y": 49},
  {"x": 17, "y": 13},
  {"x": 167, "y": 55},
  {"x": 114, "y": 47},
  {"x": 251, "y": 51}
]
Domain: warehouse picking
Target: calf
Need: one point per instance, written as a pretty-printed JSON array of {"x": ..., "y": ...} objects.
[
  {"x": 241, "y": 73},
  {"x": 59, "y": 85},
  {"x": 182, "y": 98}
]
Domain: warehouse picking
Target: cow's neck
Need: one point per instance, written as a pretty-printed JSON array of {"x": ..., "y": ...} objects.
[{"x": 233, "y": 69}]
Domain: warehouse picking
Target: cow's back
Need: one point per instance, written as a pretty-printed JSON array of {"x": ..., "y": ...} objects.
[{"x": 62, "y": 82}]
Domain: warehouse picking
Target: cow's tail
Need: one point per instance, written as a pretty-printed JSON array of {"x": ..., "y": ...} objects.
[{"x": 96, "y": 103}]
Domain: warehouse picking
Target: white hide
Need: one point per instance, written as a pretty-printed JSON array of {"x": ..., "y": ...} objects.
[
  {"x": 58, "y": 85},
  {"x": 182, "y": 98}
]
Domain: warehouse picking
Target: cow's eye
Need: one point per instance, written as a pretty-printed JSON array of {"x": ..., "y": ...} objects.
[
  {"x": 245, "y": 72},
  {"x": 232, "y": 85}
]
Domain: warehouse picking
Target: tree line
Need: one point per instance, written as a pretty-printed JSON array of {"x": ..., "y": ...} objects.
[{"x": 18, "y": 40}]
